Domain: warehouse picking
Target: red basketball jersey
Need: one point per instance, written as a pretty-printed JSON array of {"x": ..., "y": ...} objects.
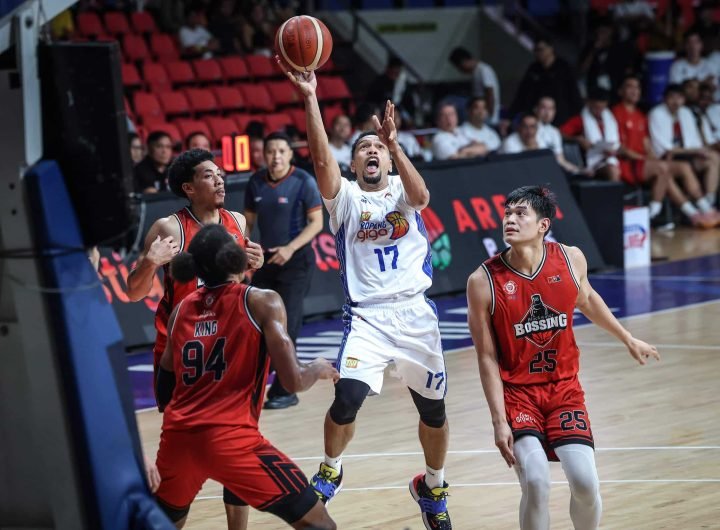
[
  {"x": 219, "y": 360},
  {"x": 175, "y": 292},
  {"x": 532, "y": 318}
]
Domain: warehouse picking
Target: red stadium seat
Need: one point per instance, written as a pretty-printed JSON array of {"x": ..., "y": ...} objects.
[
  {"x": 207, "y": 71},
  {"x": 134, "y": 48},
  {"x": 89, "y": 25},
  {"x": 143, "y": 22},
  {"x": 330, "y": 112},
  {"x": 147, "y": 107},
  {"x": 174, "y": 103},
  {"x": 299, "y": 119},
  {"x": 283, "y": 93},
  {"x": 180, "y": 72},
  {"x": 333, "y": 88},
  {"x": 241, "y": 120},
  {"x": 116, "y": 23},
  {"x": 202, "y": 101},
  {"x": 164, "y": 126},
  {"x": 234, "y": 68},
  {"x": 257, "y": 98},
  {"x": 261, "y": 66},
  {"x": 188, "y": 127},
  {"x": 220, "y": 127},
  {"x": 130, "y": 76},
  {"x": 228, "y": 98},
  {"x": 156, "y": 77},
  {"x": 277, "y": 122},
  {"x": 163, "y": 47}
]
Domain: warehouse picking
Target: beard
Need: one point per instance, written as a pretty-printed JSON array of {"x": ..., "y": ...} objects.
[{"x": 372, "y": 180}]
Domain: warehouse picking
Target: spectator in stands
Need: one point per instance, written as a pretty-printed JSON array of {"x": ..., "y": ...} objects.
[
  {"x": 406, "y": 139},
  {"x": 710, "y": 111},
  {"x": 392, "y": 85},
  {"x": 137, "y": 151},
  {"x": 484, "y": 83},
  {"x": 225, "y": 26},
  {"x": 450, "y": 142},
  {"x": 605, "y": 62},
  {"x": 475, "y": 127},
  {"x": 257, "y": 153},
  {"x": 257, "y": 32},
  {"x": 149, "y": 175},
  {"x": 525, "y": 138},
  {"x": 693, "y": 65},
  {"x": 675, "y": 136},
  {"x": 596, "y": 130},
  {"x": 549, "y": 136},
  {"x": 550, "y": 76},
  {"x": 639, "y": 165},
  {"x": 197, "y": 140},
  {"x": 195, "y": 39},
  {"x": 340, "y": 132}
]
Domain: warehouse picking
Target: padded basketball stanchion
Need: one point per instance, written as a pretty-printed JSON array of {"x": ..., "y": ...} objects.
[{"x": 94, "y": 375}]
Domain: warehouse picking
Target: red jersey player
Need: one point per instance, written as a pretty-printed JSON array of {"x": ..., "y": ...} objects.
[
  {"x": 520, "y": 312},
  {"x": 211, "y": 383},
  {"x": 194, "y": 176}
]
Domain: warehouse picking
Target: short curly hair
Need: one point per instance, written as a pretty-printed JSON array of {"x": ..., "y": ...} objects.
[{"x": 183, "y": 168}]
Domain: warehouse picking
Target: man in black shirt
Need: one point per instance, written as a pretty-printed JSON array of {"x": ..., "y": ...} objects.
[{"x": 149, "y": 174}]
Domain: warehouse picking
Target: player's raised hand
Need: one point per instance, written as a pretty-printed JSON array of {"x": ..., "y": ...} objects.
[
  {"x": 325, "y": 369},
  {"x": 641, "y": 351},
  {"x": 504, "y": 442},
  {"x": 386, "y": 130},
  {"x": 255, "y": 255},
  {"x": 162, "y": 250},
  {"x": 306, "y": 82}
]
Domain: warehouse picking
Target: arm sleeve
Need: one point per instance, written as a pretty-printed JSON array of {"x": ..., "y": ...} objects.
[
  {"x": 676, "y": 72},
  {"x": 336, "y": 207},
  {"x": 659, "y": 137},
  {"x": 250, "y": 196}
]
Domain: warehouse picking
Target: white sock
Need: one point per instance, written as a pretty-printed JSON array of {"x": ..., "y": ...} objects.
[
  {"x": 335, "y": 463},
  {"x": 712, "y": 198},
  {"x": 434, "y": 478},
  {"x": 704, "y": 205},
  {"x": 688, "y": 209},
  {"x": 655, "y": 208}
]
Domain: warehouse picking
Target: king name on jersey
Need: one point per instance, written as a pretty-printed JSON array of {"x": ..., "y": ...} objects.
[
  {"x": 206, "y": 328},
  {"x": 541, "y": 322}
]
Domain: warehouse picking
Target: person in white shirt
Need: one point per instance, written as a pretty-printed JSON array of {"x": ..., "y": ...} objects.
[
  {"x": 340, "y": 133},
  {"x": 711, "y": 112},
  {"x": 450, "y": 142},
  {"x": 675, "y": 136},
  {"x": 195, "y": 39},
  {"x": 485, "y": 83},
  {"x": 525, "y": 138},
  {"x": 475, "y": 127},
  {"x": 693, "y": 65},
  {"x": 549, "y": 135},
  {"x": 407, "y": 139}
]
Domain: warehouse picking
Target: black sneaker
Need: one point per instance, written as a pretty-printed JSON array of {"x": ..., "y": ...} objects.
[
  {"x": 327, "y": 482},
  {"x": 433, "y": 503},
  {"x": 281, "y": 402}
]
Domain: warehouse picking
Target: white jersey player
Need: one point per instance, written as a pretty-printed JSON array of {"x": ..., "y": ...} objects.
[{"x": 386, "y": 268}]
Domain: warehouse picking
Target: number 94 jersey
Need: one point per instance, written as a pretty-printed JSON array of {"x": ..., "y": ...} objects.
[
  {"x": 532, "y": 318},
  {"x": 381, "y": 243}
]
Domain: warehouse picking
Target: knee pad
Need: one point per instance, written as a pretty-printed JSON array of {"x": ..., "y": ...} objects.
[
  {"x": 432, "y": 411},
  {"x": 174, "y": 514},
  {"x": 349, "y": 397},
  {"x": 233, "y": 500}
]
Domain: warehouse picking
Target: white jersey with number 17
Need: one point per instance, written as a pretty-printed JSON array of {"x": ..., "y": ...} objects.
[{"x": 381, "y": 243}]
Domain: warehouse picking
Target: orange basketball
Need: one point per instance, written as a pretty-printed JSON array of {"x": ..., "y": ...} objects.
[{"x": 304, "y": 43}]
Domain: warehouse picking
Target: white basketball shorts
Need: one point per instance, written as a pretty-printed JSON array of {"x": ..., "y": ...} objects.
[{"x": 404, "y": 334}]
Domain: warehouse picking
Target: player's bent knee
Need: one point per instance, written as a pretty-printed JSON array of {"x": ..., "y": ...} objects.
[
  {"x": 349, "y": 397},
  {"x": 432, "y": 411},
  {"x": 174, "y": 514}
]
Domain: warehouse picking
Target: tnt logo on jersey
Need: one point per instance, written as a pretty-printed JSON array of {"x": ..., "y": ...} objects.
[{"x": 541, "y": 323}]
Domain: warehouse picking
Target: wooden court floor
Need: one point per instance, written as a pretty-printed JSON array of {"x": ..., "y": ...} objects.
[{"x": 657, "y": 432}]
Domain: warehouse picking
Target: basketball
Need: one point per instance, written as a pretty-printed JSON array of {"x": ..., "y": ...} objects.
[
  {"x": 399, "y": 224},
  {"x": 304, "y": 43}
]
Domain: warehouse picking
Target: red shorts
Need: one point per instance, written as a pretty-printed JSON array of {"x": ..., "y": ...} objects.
[
  {"x": 632, "y": 172},
  {"x": 554, "y": 412},
  {"x": 239, "y": 459}
]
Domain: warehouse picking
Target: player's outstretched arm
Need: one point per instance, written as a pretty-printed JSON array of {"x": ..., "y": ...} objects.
[
  {"x": 594, "y": 307},
  {"x": 416, "y": 192},
  {"x": 268, "y": 311},
  {"x": 479, "y": 296},
  {"x": 165, "y": 383},
  {"x": 327, "y": 170},
  {"x": 161, "y": 245}
]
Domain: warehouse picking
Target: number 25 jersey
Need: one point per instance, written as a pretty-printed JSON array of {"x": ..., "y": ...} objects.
[
  {"x": 532, "y": 318},
  {"x": 381, "y": 243}
]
